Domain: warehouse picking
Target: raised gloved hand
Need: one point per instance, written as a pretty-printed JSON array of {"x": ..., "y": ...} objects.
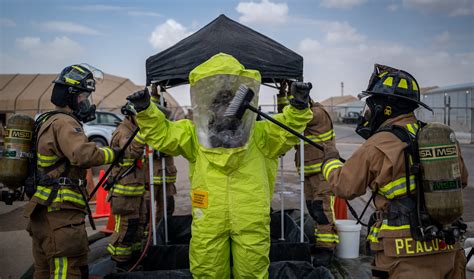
[
  {"x": 299, "y": 94},
  {"x": 140, "y": 100}
]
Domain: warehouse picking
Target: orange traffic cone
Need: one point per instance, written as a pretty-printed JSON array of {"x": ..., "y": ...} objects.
[
  {"x": 340, "y": 208},
  {"x": 102, "y": 207},
  {"x": 109, "y": 229}
]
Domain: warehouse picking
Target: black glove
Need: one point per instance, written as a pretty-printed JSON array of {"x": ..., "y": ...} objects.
[
  {"x": 299, "y": 94},
  {"x": 140, "y": 100},
  {"x": 117, "y": 154}
]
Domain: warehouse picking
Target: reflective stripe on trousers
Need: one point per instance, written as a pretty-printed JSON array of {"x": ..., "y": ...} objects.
[
  {"x": 119, "y": 251},
  {"x": 60, "y": 268},
  {"x": 117, "y": 223}
]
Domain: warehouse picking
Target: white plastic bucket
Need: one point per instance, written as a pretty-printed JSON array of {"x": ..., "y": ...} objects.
[{"x": 349, "y": 237}]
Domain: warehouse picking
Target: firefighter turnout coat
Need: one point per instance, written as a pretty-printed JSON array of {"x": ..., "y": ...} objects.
[
  {"x": 379, "y": 165},
  {"x": 57, "y": 209}
]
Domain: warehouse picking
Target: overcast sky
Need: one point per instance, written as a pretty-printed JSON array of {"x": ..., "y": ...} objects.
[{"x": 340, "y": 40}]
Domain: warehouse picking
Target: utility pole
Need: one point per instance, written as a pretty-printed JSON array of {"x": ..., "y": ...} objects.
[{"x": 342, "y": 88}]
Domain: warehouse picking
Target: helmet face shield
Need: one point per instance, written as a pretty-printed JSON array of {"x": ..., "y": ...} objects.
[
  {"x": 363, "y": 127},
  {"x": 210, "y": 97},
  {"x": 97, "y": 74}
]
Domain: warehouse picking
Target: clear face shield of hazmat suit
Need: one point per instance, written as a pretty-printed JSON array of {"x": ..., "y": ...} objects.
[{"x": 211, "y": 95}]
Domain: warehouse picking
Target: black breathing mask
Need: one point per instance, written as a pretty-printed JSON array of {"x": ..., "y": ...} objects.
[
  {"x": 83, "y": 108},
  {"x": 367, "y": 123}
]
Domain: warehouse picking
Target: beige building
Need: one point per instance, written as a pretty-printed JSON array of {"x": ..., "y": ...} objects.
[
  {"x": 30, "y": 94},
  {"x": 332, "y": 103}
]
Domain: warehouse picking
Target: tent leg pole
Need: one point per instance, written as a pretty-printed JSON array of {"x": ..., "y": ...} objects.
[
  {"x": 165, "y": 202},
  {"x": 152, "y": 194},
  {"x": 302, "y": 190},
  {"x": 163, "y": 173},
  {"x": 282, "y": 200}
]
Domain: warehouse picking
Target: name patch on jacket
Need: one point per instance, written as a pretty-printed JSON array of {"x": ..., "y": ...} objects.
[
  {"x": 199, "y": 198},
  {"x": 403, "y": 247}
]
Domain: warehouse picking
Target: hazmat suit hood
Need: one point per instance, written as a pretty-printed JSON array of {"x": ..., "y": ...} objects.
[{"x": 214, "y": 84}]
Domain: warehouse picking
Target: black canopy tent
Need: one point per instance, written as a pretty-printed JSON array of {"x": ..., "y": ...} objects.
[{"x": 275, "y": 62}]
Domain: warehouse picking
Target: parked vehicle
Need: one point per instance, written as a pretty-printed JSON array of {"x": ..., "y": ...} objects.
[
  {"x": 350, "y": 118},
  {"x": 100, "y": 130}
]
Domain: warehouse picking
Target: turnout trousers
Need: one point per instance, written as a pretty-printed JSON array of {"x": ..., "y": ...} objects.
[
  {"x": 320, "y": 204},
  {"x": 130, "y": 219},
  {"x": 60, "y": 243},
  {"x": 449, "y": 265}
]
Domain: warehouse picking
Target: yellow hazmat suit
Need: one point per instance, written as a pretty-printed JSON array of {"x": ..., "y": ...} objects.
[{"x": 231, "y": 188}]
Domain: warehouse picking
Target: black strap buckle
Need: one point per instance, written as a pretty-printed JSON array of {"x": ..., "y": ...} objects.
[
  {"x": 65, "y": 181},
  {"x": 62, "y": 181}
]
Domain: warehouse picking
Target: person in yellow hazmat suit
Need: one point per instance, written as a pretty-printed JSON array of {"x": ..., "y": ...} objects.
[{"x": 233, "y": 165}]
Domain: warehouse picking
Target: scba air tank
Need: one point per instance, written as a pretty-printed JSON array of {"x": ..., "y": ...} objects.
[
  {"x": 16, "y": 150},
  {"x": 441, "y": 175}
]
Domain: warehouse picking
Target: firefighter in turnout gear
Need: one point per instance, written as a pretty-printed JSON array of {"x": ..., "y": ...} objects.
[
  {"x": 318, "y": 195},
  {"x": 382, "y": 165},
  {"x": 170, "y": 169},
  {"x": 57, "y": 208},
  {"x": 127, "y": 196}
]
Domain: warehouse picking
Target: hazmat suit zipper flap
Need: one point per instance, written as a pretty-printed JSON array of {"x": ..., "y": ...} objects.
[{"x": 225, "y": 159}]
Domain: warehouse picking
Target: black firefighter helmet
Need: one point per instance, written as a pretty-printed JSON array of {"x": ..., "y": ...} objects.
[
  {"x": 73, "y": 88},
  {"x": 390, "y": 93},
  {"x": 390, "y": 82}
]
